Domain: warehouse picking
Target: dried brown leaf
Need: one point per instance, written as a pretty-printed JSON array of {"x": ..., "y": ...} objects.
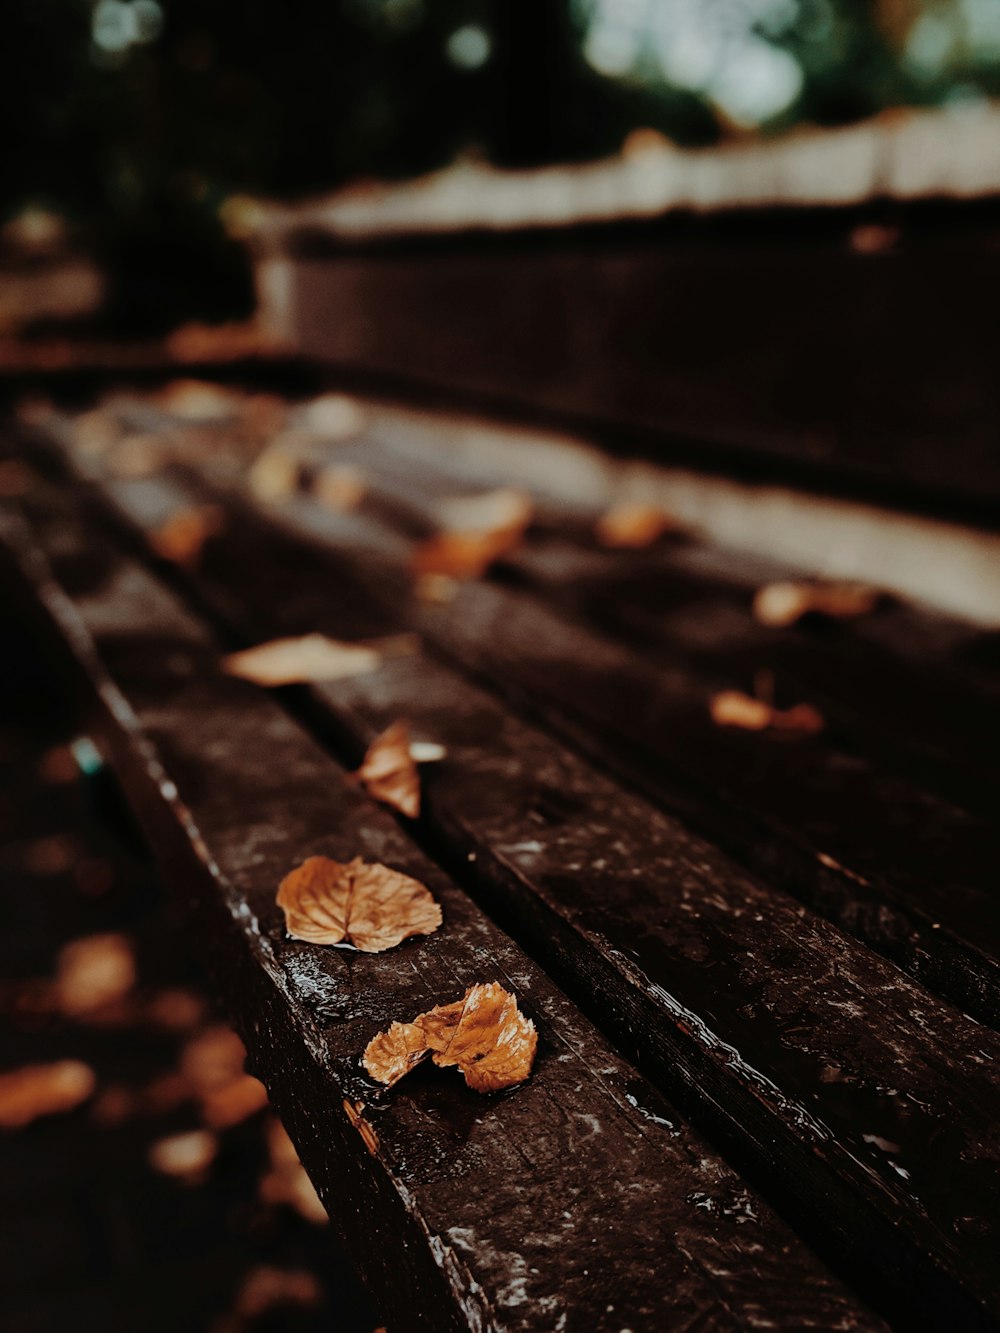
[
  {"x": 313, "y": 657},
  {"x": 782, "y": 604},
  {"x": 340, "y": 487},
  {"x": 185, "y": 1156},
  {"x": 733, "y": 708},
  {"x": 181, "y": 537},
  {"x": 484, "y": 1035},
  {"x": 389, "y": 772},
  {"x": 39, "y": 1090},
  {"x": 632, "y": 526},
  {"x": 94, "y": 973},
  {"x": 478, "y": 530},
  {"x": 16, "y": 478},
  {"x": 370, "y": 906}
]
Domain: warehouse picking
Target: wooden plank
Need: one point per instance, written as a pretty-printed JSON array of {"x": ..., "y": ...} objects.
[
  {"x": 907, "y": 871},
  {"x": 581, "y": 1200},
  {"x": 751, "y": 1010}
]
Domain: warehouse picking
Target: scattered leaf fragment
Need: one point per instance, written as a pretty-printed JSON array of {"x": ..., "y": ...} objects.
[
  {"x": 94, "y": 973},
  {"x": 477, "y": 531},
  {"x": 276, "y": 473},
  {"x": 38, "y": 1090},
  {"x": 340, "y": 487},
  {"x": 370, "y": 906},
  {"x": 181, "y": 537},
  {"x": 733, "y": 708},
  {"x": 185, "y": 1156},
  {"x": 313, "y": 657},
  {"x": 484, "y": 1034},
  {"x": 782, "y": 604},
  {"x": 633, "y": 525},
  {"x": 389, "y": 772}
]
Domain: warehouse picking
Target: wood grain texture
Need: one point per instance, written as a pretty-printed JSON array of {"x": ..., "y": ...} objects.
[{"x": 579, "y": 1201}]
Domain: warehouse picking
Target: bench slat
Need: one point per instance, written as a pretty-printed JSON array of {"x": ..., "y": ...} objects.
[
  {"x": 580, "y": 1200},
  {"x": 698, "y": 961}
]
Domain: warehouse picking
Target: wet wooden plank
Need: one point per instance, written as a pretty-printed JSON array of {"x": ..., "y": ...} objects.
[
  {"x": 907, "y": 871},
  {"x": 580, "y": 1200},
  {"x": 751, "y": 1010}
]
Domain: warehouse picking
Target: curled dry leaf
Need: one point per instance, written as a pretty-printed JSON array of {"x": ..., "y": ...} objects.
[
  {"x": 370, "y": 906},
  {"x": 340, "y": 487},
  {"x": 478, "y": 530},
  {"x": 484, "y": 1034},
  {"x": 389, "y": 772},
  {"x": 38, "y": 1090},
  {"x": 733, "y": 708},
  {"x": 782, "y": 604},
  {"x": 182, "y": 536},
  {"x": 633, "y": 525},
  {"x": 313, "y": 657}
]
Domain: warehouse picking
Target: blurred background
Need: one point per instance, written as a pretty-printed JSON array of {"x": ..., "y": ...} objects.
[{"x": 134, "y": 123}]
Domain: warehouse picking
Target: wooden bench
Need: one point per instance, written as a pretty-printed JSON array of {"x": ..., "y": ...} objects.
[{"x": 783, "y": 952}]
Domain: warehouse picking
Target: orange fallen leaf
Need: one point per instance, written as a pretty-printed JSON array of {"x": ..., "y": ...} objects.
[
  {"x": 182, "y": 536},
  {"x": 733, "y": 708},
  {"x": 478, "y": 530},
  {"x": 484, "y": 1035},
  {"x": 633, "y": 525},
  {"x": 340, "y": 487},
  {"x": 313, "y": 657},
  {"x": 389, "y": 772},
  {"x": 94, "y": 973},
  {"x": 185, "y": 1156},
  {"x": 782, "y": 604},
  {"x": 370, "y": 906},
  {"x": 38, "y": 1090}
]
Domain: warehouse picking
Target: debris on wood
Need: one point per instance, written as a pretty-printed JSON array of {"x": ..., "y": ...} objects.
[
  {"x": 484, "y": 1035},
  {"x": 477, "y": 531},
  {"x": 313, "y": 657},
  {"x": 181, "y": 538},
  {"x": 389, "y": 771},
  {"x": 633, "y": 526},
  {"x": 733, "y": 708},
  {"x": 39, "y": 1090},
  {"x": 369, "y": 906},
  {"x": 780, "y": 605},
  {"x": 340, "y": 487}
]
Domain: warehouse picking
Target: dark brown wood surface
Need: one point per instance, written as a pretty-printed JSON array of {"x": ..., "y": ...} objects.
[
  {"x": 580, "y": 1200},
  {"x": 742, "y": 1004}
]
